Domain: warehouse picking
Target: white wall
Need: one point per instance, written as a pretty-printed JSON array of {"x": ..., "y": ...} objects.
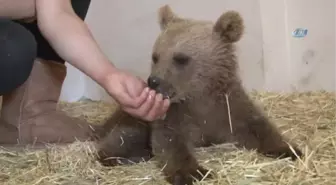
[
  {"x": 313, "y": 58},
  {"x": 270, "y": 58}
]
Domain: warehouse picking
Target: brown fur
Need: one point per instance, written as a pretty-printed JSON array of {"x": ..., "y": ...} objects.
[{"x": 194, "y": 64}]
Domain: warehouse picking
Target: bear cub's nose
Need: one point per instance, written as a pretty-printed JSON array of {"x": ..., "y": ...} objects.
[{"x": 153, "y": 82}]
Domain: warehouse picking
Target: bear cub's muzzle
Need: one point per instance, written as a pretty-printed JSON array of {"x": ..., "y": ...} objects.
[{"x": 161, "y": 86}]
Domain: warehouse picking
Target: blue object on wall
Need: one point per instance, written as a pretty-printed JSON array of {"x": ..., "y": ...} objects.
[{"x": 300, "y": 32}]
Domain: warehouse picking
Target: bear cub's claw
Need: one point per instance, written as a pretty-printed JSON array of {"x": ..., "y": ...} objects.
[{"x": 181, "y": 178}]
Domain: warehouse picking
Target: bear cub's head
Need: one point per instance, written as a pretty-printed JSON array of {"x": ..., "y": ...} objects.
[{"x": 188, "y": 55}]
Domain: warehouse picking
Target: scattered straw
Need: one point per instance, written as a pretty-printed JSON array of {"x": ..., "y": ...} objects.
[
  {"x": 229, "y": 111},
  {"x": 307, "y": 118}
]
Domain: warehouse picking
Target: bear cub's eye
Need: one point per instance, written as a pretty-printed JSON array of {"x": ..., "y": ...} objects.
[
  {"x": 181, "y": 59},
  {"x": 155, "y": 58}
]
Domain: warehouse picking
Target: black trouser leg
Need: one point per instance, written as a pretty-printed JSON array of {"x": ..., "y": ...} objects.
[
  {"x": 18, "y": 49},
  {"x": 21, "y": 43}
]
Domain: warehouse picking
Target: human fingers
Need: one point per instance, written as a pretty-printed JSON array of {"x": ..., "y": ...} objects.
[
  {"x": 135, "y": 86},
  {"x": 138, "y": 101},
  {"x": 156, "y": 110},
  {"x": 134, "y": 103},
  {"x": 163, "y": 110},
  {"x": 143, "y": 110}
]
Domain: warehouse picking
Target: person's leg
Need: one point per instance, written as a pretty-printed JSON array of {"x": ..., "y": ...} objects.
[
  {"x": 18, "y": 50},
  {"x": 32, "y": 107}
]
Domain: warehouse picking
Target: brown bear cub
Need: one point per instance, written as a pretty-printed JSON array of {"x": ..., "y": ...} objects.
[{"x": 193, "y": 64}]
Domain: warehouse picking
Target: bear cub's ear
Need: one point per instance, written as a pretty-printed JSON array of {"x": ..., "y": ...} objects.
[
  {"x": 230, "y": 26},
  {"x": 166, "y": 15}
]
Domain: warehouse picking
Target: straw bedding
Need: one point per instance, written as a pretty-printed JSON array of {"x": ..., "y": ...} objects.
[{"x": 308, "y": 118}]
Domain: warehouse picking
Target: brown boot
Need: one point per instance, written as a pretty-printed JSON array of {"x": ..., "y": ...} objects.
[{"x": 29, "y": 114}]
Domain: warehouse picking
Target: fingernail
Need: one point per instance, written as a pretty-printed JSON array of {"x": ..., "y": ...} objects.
[
  {"x": 152, "y": 93},
  {"x": 146, "y": 89},
  {"x": 160, "y": 97},
  {"x": 167, "y": 102}
]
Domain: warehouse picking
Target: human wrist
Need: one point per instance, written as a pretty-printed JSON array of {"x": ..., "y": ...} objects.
[{"x": 106, "y": 75}]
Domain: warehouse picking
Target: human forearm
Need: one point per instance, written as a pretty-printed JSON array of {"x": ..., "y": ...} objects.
[
  {"x": 17, "y": 9},
  {"x": 73, "y": 41}
]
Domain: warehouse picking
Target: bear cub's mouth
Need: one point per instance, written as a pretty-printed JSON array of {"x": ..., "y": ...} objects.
[{"x": 161, "y": 86}]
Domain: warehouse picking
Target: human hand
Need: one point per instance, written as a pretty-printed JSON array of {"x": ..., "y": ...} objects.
[{"x": 135, "y": 97}]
